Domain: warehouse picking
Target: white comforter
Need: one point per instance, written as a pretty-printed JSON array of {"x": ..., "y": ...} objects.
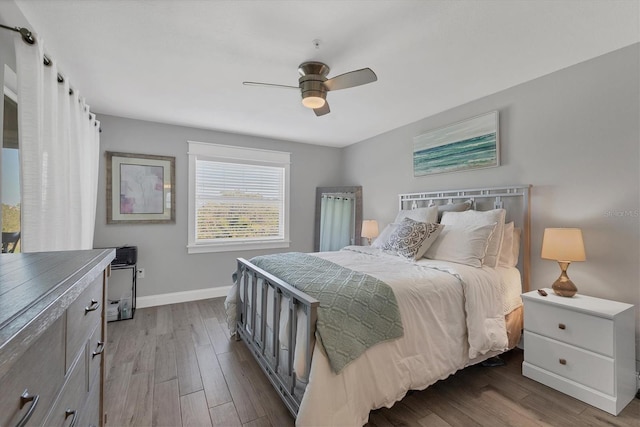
[{"x": 451, "y": 314}]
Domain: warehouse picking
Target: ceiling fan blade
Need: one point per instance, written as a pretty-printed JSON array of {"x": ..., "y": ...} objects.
[
  {"x": 269, "y": 85},
  {"x": 322, "y": 110},
  {"x": 351, "y": 79}
]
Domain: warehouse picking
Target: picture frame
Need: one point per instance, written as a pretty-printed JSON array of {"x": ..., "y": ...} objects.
[
  {"x": 466, "y": 145},
  {"x": 140, "y": 188}
]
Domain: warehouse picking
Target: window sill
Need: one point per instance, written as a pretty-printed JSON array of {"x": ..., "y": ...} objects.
[{"x": 230, "y": 247}]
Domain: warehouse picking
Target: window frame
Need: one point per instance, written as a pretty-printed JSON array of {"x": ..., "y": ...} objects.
[{"x": 238, "y": 155}]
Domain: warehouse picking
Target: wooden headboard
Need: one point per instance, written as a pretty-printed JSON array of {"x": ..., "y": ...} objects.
[{"x": 515, "y": 199}]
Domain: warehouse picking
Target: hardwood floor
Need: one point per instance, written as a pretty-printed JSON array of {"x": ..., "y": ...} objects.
[{"x": 174, "y": 365}]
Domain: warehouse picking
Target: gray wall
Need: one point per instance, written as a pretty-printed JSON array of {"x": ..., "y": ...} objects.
[
  {"x": 162, "y": 247},
  {"x": 574, "y": 135}
]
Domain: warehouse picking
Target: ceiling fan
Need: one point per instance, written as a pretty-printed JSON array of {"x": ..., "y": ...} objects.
[{"x": 314, "y": 85}]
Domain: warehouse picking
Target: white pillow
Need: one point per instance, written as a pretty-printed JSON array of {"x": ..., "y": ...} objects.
[
  {"x": 516, "y": 246},
  {"x": 477, "y": 218},
  {"x": 428, "y": 214},
  {"x": 454, "y": 207},
  {"x": 506, "y": 251},
  {"x": 510, "y": 250},
  {"x": 464, "y": 244},
  {"x": 383, "y": 237},
  {"x": 411, "y": 239}
]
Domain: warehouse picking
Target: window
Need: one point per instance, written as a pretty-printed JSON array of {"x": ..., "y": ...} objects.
[
  {"x": 238, "y": 198},
  {"x": 10, "y": 166}
]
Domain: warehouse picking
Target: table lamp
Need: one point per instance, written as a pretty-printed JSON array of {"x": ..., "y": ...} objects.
[
  {"x": 369, "y": 229},
  {"x": 563, "y": 245}
]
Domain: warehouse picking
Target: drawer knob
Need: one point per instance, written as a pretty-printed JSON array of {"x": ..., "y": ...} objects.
[
  {"x": 99, "y": 349},
  {"x": 562, "y": 326},
  {"x": 72, "y": 412},
  {"x": 563, "y": 361},
  {"x": 92, "y": 307},
  {"x": 24, "y": 399}
]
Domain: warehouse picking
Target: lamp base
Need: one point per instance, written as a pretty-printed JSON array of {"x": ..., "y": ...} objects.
[{"x": 564, "y": 287}]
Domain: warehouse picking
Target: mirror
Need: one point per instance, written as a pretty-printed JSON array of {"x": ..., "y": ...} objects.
[{"x": 338, "y": 217}]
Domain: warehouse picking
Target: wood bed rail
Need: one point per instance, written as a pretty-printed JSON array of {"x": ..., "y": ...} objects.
[{"x": 258, "y": 325}]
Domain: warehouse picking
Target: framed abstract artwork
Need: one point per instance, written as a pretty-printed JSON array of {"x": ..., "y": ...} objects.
[
  {"x": 469, "y": 144},
  {"x": 140, "y": 188}
]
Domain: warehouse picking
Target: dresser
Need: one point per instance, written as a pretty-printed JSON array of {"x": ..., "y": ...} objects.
[
  {"x": 52, "y": 337},
  {"x": 581, "y": 346}
]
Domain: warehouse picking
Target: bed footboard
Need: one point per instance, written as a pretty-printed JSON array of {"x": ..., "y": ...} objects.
[{"x": 259, "y": 323}]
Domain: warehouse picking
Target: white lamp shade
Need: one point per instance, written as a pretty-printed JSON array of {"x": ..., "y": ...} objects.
[
  {"x": 563, "y": 244},
  {"x": 369, "y": 228}
]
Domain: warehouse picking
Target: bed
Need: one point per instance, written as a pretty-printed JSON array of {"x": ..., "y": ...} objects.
[{"x": 454, "y": 310}]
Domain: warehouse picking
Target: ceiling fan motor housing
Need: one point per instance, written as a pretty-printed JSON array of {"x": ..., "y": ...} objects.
[{"x": 311, "y": 81}]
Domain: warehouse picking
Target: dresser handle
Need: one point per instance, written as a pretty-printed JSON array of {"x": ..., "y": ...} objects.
[
  {"x": 24, "y": 399},
  {"x": 93, "y": 307},
  {"x": 563, "y": 361},
  {"x": 100, "y": 351},
  {"x": 71, "y": 412},
  {"x": 562, "y": 326}
]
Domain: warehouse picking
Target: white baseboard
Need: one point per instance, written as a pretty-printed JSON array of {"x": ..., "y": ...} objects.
[{"x": 185, "y": 296}]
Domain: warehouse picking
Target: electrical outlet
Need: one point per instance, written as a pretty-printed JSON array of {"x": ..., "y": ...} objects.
[{"x": 140, "y": 273}]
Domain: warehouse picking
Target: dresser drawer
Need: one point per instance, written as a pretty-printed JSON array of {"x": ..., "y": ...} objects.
[
  {"x": 72, "y": 397},
  {"x": 40, "y": 370},
  {"x": 82, "y": 316},
  {"x": 90, "y": 415},
  {"x": 95, "y": 355},
  {"x": 572, "y": 327},
  {"x": 591, "y": 369}
]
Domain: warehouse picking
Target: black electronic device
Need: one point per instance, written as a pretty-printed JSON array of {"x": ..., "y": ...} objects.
[{"x": 126, "y": 255}]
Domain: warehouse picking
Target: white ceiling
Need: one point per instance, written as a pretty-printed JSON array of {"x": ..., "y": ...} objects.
[{"x": 183, "y": 61}]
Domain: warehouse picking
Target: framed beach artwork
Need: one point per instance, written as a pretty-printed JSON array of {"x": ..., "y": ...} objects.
[
  {"x": 140, "y": 188},
  {"x": 469, "y": 144}
]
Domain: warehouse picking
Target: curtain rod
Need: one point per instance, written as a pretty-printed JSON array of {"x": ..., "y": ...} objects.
[
  {"x": 25, "y": 32},
  {"x": 28, "y": 38}
]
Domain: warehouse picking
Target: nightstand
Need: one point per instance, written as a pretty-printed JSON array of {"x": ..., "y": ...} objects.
[{"x": 581, "y": 346}]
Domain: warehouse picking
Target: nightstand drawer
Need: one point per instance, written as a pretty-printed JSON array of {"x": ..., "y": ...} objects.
[
  {"x": 591, "y": 369},
  {"x": 572, "y": 327}
]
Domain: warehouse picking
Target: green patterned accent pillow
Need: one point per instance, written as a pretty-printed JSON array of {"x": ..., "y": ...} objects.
[{"x": 411, "y": 239}]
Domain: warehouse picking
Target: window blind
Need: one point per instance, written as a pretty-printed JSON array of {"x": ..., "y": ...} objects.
[
  {"x": 239, "y": 201},
  {"x": 238, "y": 198}
]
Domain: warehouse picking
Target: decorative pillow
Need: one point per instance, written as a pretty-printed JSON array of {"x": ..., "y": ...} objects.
[
  {"x": 383, "y": 237},
  {"x": 477, "y": 218},
  {"x": 506, "y": 251},
  {"x": 516, "y": 246},
  {"x": 411, "y": 239},
  {"x": 464, "y": 244},
  {"x": 454, "y": 207},
  {"x": 428, "y": 214}
]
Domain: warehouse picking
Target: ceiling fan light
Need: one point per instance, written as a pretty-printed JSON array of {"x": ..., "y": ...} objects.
[{"x": 313, "y": 102}]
